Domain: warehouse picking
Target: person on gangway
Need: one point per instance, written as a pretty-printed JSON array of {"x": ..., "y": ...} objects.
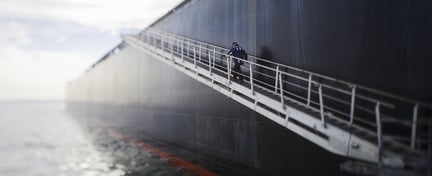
[{"x": 238, "y": 52}]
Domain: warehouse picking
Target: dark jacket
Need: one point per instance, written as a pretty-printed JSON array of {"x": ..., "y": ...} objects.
[{"x": 238, "y": 52}]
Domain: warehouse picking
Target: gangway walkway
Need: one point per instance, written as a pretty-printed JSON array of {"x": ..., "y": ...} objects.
[{"x": 344, "y": 118}]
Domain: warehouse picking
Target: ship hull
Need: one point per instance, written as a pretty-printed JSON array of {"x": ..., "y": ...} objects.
[
  {"x": 153, "y": 100},
  {"x": 368, "y": 42}
]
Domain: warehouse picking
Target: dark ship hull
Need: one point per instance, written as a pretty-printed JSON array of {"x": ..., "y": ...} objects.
[{"x": 366, "y": 42}]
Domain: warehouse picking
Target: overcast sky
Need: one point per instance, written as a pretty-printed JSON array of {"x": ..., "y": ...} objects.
[{"x": 46, "y": 43}]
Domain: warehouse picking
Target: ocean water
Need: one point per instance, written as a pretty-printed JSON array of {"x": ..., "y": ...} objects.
[{"x": 41, "y": 138}]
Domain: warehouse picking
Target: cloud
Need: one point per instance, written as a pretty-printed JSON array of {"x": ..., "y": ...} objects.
[
  {"x": 13, "y": 32},
  {"x": 38, "y": 59},
  {"x": 102, "y": 14},
  {"x": 46, "y": 43}
]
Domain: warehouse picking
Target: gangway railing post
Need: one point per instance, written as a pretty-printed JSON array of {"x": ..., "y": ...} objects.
[
  {"x": 152, "y": 41},
  {"x": 309, "y": 89},
  {"x": 321, "y": 101},
  {"x": 209, "y": 61},
  {"x": 182, "y": 54},
  {"x": 150, "y": 38},
  {"x": 353, "y": 94},
  {"x": 251, "y": 78},
  {"x": 414, "y": 125},
  {"x": 162, "y": 44},
  {"x": 194, "y": 55},
  {"x": 276, "y": 78},
  {"x": 379, "y": 135},
  {"x": 229, "y": 69},
  {"x": 199, "y": 52},
  {"x": 156, "y": 42},
  {"x": 281, "y": 91},
  {"x": 187, "y": 48},
  {"x": 214, "y": 57},
  {"x": 172, "y": 48}
]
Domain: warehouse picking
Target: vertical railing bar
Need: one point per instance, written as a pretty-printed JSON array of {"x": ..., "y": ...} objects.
[
  {"x": 194, "y": 55},
  {"x": 162, "y": 44},
  {"x": 228, "y": 68},
  {"x": 151, "y": 41},
  {"x": 321, "y": 104},
  {"x": 276, "y": 78},
  {"x": 414, "y": 125},
  {"x": 214, "y": 56},
  {"x": 172, "y": 48},
  {"x": 159, "y": 42},
  {"x": 181, "y": 47},
  {"x": 353, "y": 94},
  {"x": 251, "y": 78},
  {"x": 309, "y": 89},
  {"x": 186, "y": 49},
  {"x": 209, "y": 61},
  {"x": 378, "y": 122},
  {"x": 176, "y": 46},
  {"x": 281, "y": 91},
  {"x": 199, "y": 54},
  {"x": 156, "y": 42}
]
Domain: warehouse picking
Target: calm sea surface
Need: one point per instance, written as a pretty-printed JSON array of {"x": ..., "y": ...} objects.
[{"x": 40, "y": 138}]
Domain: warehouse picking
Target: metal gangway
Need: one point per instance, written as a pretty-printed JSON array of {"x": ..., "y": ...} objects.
[{"x": 344, "y": 118}]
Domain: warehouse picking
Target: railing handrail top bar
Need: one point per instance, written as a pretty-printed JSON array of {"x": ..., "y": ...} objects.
[
  {"x": 383, "y": 103},
  {"x": 412, "y": 101}
]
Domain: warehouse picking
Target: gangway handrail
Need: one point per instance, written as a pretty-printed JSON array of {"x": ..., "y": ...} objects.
[
  {"x": 382, "y": 103},
  {"x": 412, "y": 101},
  {"x": 348, "y": 84},
  {"x": 377, "y": 111}
]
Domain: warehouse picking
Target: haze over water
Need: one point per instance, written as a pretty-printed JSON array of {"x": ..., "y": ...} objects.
[{"x": 40, "y": 138}]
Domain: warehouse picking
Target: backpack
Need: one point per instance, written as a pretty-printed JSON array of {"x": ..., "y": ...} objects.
[{"x": 242, "y": 52}]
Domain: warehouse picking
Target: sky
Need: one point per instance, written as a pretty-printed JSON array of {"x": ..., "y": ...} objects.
[{"x": 46, "y": 43}]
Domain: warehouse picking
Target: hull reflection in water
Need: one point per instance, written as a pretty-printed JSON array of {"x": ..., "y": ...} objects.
[{"x": 40, "y": 138}]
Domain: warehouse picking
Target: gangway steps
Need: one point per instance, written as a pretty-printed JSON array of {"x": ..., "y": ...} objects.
[
  {"x": 369, "y": 136},
  {"x": 317, "y": 125}
]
